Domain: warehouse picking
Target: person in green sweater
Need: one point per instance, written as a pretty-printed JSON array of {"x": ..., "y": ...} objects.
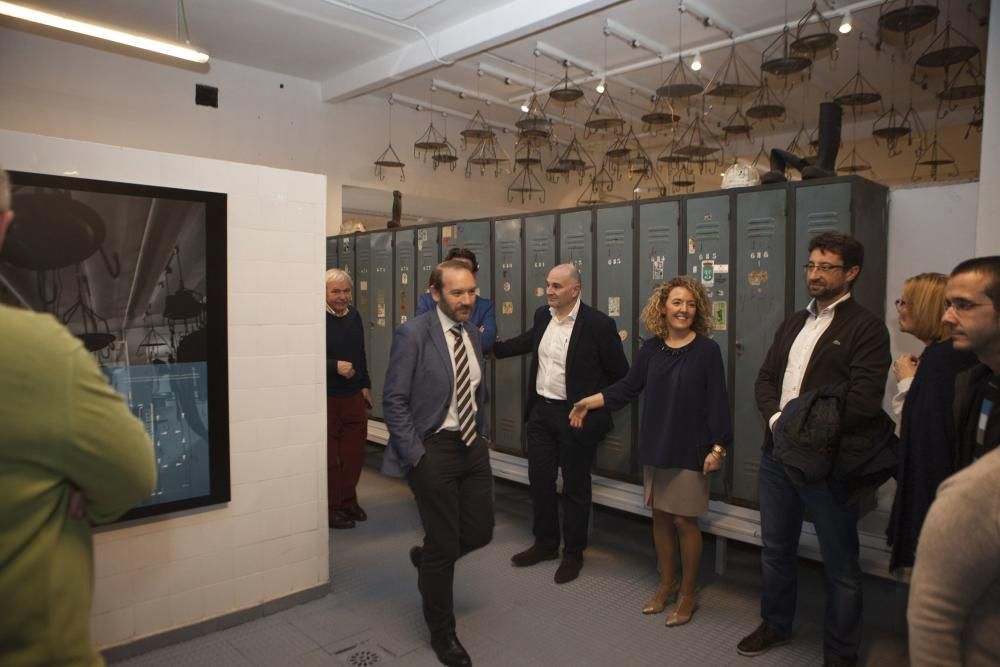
[{"x": 71, "y": 455}]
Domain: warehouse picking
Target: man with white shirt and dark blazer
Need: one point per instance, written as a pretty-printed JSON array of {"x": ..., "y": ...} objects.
[
  {"x": 834, "y": 342},
  {"x": 434, "y": 404},
  {"x": 575, "y": 352}
]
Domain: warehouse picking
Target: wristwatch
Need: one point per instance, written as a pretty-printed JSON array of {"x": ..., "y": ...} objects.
[{"x": 719, "y": 451}]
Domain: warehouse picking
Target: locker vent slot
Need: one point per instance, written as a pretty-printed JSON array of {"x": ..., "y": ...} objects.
[
  {"x": 761, "y": 228},
  {"x": 576, "y": 241},
  {"x": 707, "y": 231},
  {"x": 822, "y": 221},
  {"x": 659, "y": 235}
]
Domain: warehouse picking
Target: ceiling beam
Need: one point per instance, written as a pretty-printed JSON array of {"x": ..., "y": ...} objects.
[{"x": 511, "y": 21}]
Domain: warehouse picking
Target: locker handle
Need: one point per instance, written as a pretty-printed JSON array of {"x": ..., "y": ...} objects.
[{"x": 739, "y": 347}]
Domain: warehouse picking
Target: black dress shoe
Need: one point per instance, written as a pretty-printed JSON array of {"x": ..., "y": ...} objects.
[
  {"x": 416, "y": 555},
  {"x": 449, "y": 651},
  {"x": 533, "y": 555},
  {"x": 568, "y": 570},
  {"x": 761, "y": 640},
  {"x": 355, "y": 512},
  {"x": 340, "y": 520}
]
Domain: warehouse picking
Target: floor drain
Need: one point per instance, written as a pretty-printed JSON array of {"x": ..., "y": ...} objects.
[{"x": 366, "y": 653}]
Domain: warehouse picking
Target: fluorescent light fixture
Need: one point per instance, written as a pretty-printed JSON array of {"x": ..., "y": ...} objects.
[
  {"x": 696, "y": 63},
  {"x": 845, "y": 24},
  {"x": 100, "y": 32},
  {"x": 600, "y": 86}
]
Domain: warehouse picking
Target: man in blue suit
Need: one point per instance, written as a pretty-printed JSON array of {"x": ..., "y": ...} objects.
[{"x": 434, "y": 404}]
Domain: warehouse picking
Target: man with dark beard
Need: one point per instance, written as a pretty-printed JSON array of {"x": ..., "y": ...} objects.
[{"x": 834, "y": 343}]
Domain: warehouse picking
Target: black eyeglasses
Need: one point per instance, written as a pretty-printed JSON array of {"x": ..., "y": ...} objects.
[
  {"x": 962, "y": 306},
  {"x": 821, "y": 268}
]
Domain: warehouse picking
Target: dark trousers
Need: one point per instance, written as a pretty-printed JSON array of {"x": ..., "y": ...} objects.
[
  {"x": 554, "y": 444},
  {"x": 453, "y": 486},
  {"x": 781, "y": 512},
  {"x": 346, "y": 434}
]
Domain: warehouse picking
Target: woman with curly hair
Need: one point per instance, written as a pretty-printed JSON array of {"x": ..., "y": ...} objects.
[{"x": 684, "y": 432}]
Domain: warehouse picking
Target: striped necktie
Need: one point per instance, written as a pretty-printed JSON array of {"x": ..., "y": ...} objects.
[{"x": 463, "y": 390}]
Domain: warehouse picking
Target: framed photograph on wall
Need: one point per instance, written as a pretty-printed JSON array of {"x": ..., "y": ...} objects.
[{"x": 138, "y": 274}]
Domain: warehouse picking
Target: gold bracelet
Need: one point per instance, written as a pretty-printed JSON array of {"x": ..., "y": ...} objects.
[{"x": 719, "y": 451}]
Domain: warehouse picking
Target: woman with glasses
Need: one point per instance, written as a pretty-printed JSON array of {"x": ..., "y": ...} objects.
[
  {"x": 684, "y": 433},
  {"x": 923, "y": 408}
]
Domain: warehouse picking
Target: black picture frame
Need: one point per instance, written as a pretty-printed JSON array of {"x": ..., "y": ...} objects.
[{"x": 211, "y": 321}]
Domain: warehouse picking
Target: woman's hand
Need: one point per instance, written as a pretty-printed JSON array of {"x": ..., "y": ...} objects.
[
  {"x": 346, "y": 369},
  {"x": 712, "y": 463},
  {"x": 905, "y": 367}
]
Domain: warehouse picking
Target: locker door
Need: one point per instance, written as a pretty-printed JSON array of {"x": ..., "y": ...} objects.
[
  {"x": 818, "y": 209},
  {"x": 576, "y": 246},
  {"x": 428, "y": 256},
  {"x": 363, "y": 260},
  {"x": 332, "y": 252},
  {"x": 759, "y": 274},
  {"x": 708, "y": 259},
  {"x": 614, "y": 298},
  {"x": 476, "y": 237},
  {"x": 540, "y": 257},
  {"x": 380, "y": 318},
  {"x": 405, "y": 285},
  {"x": 508, "y": 393},
  {"x": 346, "y": 257},
  {"x": 659, "y": 229}
]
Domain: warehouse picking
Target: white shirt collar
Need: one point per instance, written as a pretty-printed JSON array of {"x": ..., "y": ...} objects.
[
  {"x": 446, "y": 322},
  {"x": 829, "y": 309},
  {"x": 572, "y": 314}
]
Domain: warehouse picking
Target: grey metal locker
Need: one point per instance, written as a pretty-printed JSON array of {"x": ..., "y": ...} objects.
[
  {"x": 576, "y": 246},
  {"x": 346, "y": 257},
  {"x": 380, "y": 314},
  {"x": 508, "y": 394},
  {"x": 428, "y": 256},
  {"x": 539, "y": 258},
  {"x": 476, "y": 237},
  {"x": 708, "y": 260},
  {"x": 406, "y": 286},
  {"x": 760, "y": 275},
  {"x": 659, "y": 244},
  {"x": 363, "y": 257},
  {"x": 614, "y": 276},
  {"x": 818, "y": 209},
  {"x": 332, "y": 252}
]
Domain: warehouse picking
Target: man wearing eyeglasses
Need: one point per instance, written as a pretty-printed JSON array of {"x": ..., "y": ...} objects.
[
  {"x": 954, "y": 607},
  {"x": 834, "y": 342}
]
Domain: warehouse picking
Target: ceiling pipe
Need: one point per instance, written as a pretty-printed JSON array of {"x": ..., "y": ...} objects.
[
  {"x": 391, "y": 21},
  {"x": 503, "y": 75},
  {"x": 490, "y": 99},
  {"x": 633, "y": 38},
  {"x": 715, "y": 46},
  {"x": 561, "y": 56}
]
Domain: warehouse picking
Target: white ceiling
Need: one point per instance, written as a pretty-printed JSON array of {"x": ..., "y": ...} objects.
[{"x": 350, "y": 52}]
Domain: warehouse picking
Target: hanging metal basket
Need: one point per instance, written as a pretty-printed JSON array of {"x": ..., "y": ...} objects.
[
  {"x": 766, "y": 105},
  {"x": 566, "y": 92},
  {"x": 813, "y": 34},
  {"x": 935, "y": 157},
  {"x": 853, "y": 163},
  {"x": 489, "y": 154},
  {"x": 431, "y": 140},
  {"x": 780, "y": 60},
  {"x": 948, "y": 48},
  {"x": 678, "y": 84},
  {"x": 527, "y": 185},
  {"x": 534, "y": 125},
  {"x": 966, "y": 84},
  {"x": 604, "y": 116},
  {"x": 737, "y": 125},
  {"x": 905, "y": 16},
  {"x": 446, "y": 156},
  {"x": 857, "y": 92},
  {"x": 477, "y": 130},
  {"x": 389, "y": 160},
  {"x": 734, "y": 79},
  {"x": 660, "y": 116},
  {"x": 890, "y": 127}
]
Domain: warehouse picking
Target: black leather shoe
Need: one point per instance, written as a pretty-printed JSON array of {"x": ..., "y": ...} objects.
[
  {"x": 340, "y": 520},
  {"x": 568, "y": 570},
  {"x": 533, "y": 555},
  {"x": 416, "y": 555},
  {"x": 449, "y": 651},
  {"x": 761, "y": 640},
  {"x": 356, "y": 513}
]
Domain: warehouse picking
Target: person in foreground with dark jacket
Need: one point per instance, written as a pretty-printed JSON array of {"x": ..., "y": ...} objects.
[
  {"x": 926, "y": 425},
  {"x": 348, "y": 399},
  {"x": 833, "y": 341},
  {"x": 954, "y": 608}
]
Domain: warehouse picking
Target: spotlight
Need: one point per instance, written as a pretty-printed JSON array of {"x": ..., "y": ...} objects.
[
  {"x": 845, "y": 24},
  {"x": 524, "y": 107},
  {"x": 696, "y": 63},
  {"x": 600, "y": 86}
]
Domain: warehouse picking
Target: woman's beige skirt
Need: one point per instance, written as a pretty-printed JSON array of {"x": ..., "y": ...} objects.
[{"x": 676, "y": 490}]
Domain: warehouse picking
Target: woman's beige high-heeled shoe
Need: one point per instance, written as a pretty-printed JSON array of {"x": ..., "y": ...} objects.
[
  {"x": 683, "y": 610},
  {"x": 658, "y": 602}
]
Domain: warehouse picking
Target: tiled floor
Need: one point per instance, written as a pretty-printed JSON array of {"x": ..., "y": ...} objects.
[{"x": 509, "y": 616}]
